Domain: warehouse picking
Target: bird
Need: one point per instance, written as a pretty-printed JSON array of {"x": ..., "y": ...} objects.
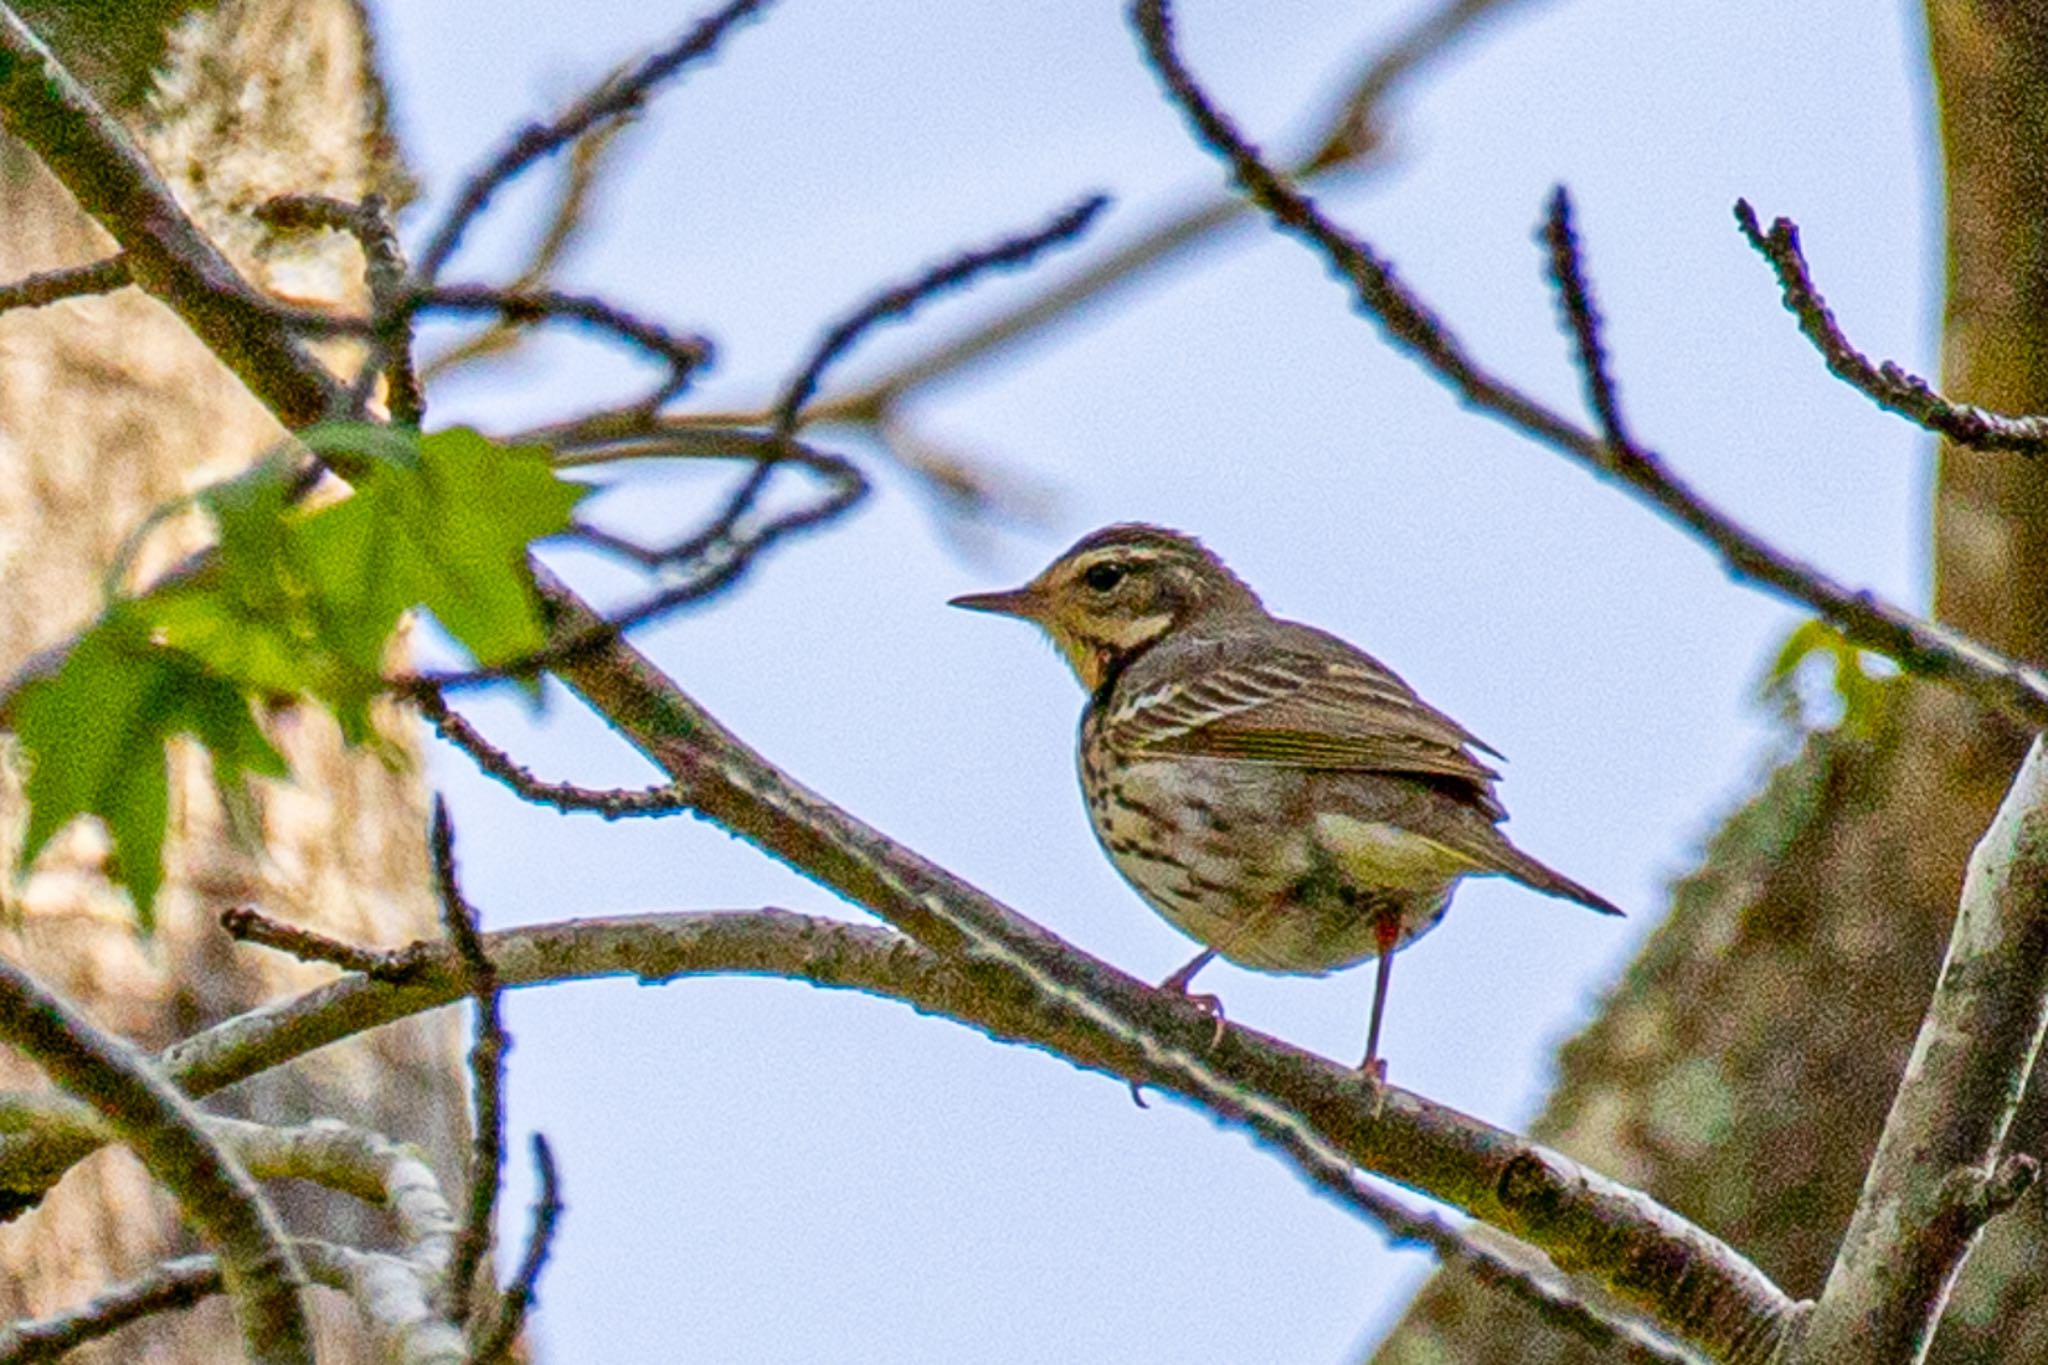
[{"x": 1274, "y": 792}]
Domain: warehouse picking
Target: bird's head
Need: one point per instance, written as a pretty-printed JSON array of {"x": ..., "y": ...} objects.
[{"x": 1118, "y": 591}]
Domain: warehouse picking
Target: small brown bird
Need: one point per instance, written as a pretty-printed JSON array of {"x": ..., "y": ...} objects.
[{"x": 1276, "y": 794}]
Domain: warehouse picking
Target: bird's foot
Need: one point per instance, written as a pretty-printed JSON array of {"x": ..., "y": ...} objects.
[
  {"x": 1374, "y": 1073},
  {"x": 1211, "y": 1005}
]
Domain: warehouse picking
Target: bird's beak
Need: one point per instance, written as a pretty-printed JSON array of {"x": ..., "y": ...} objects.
[{"x": 1020, "y": 602}]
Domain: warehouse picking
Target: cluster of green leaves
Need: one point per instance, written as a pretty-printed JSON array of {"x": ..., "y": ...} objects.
[{"x": 296, "y": 601}]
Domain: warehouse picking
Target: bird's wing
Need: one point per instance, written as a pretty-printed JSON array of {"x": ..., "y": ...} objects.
[{"x": 1329, "y": 707}]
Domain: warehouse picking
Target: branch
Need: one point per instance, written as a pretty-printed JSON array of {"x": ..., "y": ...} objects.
[
  {"x": 566, "y": 797},
  {"x": 486, "y": 1070},
  {"x": 162, "y": 1127},
  {"x": 247, "y": 924},
  {"x": 1888, "y": 385},
  {"x": 1917, "y": 645},
  {"x": 166, "y": 1288},
  {"x": 1940, "y": 1174},
  {"x": 1690, "y": 1281},
  {"x": 396, "y": 1292},
  {"x": 495, "y": 1344},
  {"x": 90, "y": 153},
  {"x": 898, "y": 302},
  {"x": 615, "y": 98},
  {"x": 77, "y": 281}
]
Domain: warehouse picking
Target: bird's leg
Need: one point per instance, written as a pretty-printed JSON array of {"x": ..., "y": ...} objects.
[
  {"x": 1210, "y": 1005},
  {"x": 1387, "y": 929}
]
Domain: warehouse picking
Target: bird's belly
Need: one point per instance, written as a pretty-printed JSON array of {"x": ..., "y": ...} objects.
[{"x": 1239, "y": 861}]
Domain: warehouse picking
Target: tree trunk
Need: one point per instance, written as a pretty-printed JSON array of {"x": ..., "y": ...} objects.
[
  {"x": 1742, "y": 1069},
  {"x": 109, "y": 409}
]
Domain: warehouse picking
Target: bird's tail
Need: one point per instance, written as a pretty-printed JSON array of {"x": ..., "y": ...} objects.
[{"x": 1531, "y": 873}]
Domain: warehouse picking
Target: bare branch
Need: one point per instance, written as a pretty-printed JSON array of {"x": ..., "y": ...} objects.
[
  {"x": 249, "y": 925},
  {"x": 77, "y": 281},
  {"x": 614, "y": 98},
  {"x": 369, "y": 222},
  {"x": 1940, "y": 1172},
  {"x": 1582, "y": 319},
  {"x": 680, "y": 355},
  {"x": 1888, "y": 385},
  {"x": 486, "y": 1071},
  {"x": 566, "y": 218},
  {"x": 166, "y": 1288},
  {"x": 162, "y": 1127},
  {"x": 612, "y": 804},
  {"x": 1914, "y": 643},
  {"x": 87, "y": 149},
  {"x": 899, "y": 301},
  {"x": 495, "y": 1344}
]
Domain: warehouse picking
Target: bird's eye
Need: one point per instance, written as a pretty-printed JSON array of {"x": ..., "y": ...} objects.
[{"x": 1103, "y": 577}]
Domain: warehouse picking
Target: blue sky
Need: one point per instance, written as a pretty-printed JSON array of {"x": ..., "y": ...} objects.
[{"x": 760, "y": 1171}]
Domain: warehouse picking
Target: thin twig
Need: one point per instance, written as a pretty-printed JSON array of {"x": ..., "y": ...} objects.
[
  {"x": 518, "y": 1299},
  {"x": 616, "y": 97},
  {"x": 682, "y": 356},
  {"x": 165, "y": 1288},
  {"x": 901, "y": 300},
  {"x": 1914, "y": 643},
  {"x": 71, "y": 282},
  {"x": 168, "y": 1133},
  {"x": 1888, "y": 385},
  {"x": 250, "y": 925},
  {"x": 1582, "y": 319},
  {"x": 1940, "y": 1172},
  {"x": 588, "y": 156},
  {"x": 486, "y": 1073},
  {"x": 369, "y": 222},
  {"x": 566, "y": 797}
]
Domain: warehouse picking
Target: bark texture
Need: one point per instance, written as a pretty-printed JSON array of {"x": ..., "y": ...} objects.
[
  {"x": 108, "y": 409},
  {"x": 1742, "y": 1069}
]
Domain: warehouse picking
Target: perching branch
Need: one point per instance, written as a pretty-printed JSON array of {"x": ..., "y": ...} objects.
[
  {"x": 163, "y": 1129},
  {"x": 1691, "y": 1282},
  {"x": 1917, "y": 645},
  {"x": 1941, "y": 1171},
  {"x": 1888, "y": 385}
]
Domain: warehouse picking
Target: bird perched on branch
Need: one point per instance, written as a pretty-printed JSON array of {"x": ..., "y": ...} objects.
[{"x": 1278, "y": 795}]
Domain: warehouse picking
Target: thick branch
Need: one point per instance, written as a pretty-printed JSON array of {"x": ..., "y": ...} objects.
[
  {"x": 1939, "y": 1174},
  {"x": 163, "y": 1128}
]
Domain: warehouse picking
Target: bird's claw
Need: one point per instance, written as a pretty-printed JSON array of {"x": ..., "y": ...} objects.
[{"x": 1374, "y": 1073}]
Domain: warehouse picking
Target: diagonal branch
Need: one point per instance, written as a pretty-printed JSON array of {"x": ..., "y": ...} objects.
[{"x": 1916, "y": 644}]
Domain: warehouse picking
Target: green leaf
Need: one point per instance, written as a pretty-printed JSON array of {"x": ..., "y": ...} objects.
[
  {"x": 466, "y": 526},
  {"x": 93, "y": 736}
]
